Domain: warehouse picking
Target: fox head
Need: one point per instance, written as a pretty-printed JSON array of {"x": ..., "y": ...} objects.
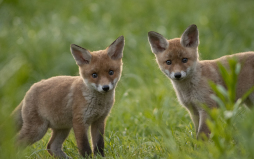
[
  {"x": 177, "y": 57},
  {"x": 102, "y": 69}
]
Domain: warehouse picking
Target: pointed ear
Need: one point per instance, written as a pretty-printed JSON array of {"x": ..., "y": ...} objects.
[
  {"x": 190, "y": 37},
  {"x": 81, "y": 55},
  {"x": 115, "y": 50},
  {"x": 157, "y": 42}
]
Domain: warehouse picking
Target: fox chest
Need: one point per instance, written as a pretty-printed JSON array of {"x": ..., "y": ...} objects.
[
  {"x": 96, "y": 107},
  {"x": 190, "y": 96}
]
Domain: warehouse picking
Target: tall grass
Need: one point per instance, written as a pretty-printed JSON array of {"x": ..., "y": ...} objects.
[{"x": 146, "y": 120}]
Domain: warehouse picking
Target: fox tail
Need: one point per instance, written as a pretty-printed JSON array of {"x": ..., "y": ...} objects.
[{"x": 17, "y": 116}]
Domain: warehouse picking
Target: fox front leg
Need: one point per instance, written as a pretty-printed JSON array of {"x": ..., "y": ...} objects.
[
  {"x": 80, "y": 131},
  {"x": 203, "y": 127},
  {"x": 194, "y": 116},
  {"x": 97, "y": 131}
]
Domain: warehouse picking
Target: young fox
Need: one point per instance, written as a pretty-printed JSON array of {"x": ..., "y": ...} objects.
[
  {"x": 63, "y": 102},
  {"x": 179, "y": 60}
]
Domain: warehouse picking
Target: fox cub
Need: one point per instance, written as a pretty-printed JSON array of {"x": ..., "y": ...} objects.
[
  {"x": 63, "y": 102},
  {"x": 179, "y": 60}
]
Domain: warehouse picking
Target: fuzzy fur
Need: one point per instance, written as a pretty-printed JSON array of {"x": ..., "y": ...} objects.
[
  {"x": 77, "y": 102},
  {"x": 192, "y": 88}
]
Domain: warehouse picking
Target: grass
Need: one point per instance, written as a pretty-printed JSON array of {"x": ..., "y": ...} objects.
[{"x": 146, "y": 121}]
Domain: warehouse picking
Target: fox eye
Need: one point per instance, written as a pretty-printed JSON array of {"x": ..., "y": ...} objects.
[
  {"x": 184, "y": 60},
  {"x": 168, "y": 62},
  {"x": 94, "y": 75},
  {"x": 111, "y": 72}
]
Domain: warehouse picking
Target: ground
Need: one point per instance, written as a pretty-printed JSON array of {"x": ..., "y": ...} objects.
[{"x": 146, "y": 121}]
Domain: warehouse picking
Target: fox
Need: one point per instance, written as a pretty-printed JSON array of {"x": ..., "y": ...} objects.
[
  {"x": 178, "y": 59},
  {"x": 79, "y": 102}
]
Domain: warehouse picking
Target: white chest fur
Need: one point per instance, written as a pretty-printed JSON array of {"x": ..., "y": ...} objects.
[
  {"x": 98, "y": 105},
  {"x": 193, "y": 92}
]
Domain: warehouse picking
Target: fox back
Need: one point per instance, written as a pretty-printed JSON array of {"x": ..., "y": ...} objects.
[{"x": 63, "y": 102}]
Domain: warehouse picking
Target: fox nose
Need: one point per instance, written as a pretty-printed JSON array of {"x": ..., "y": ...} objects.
[
  {"x": 178, "y": 75},
  {"x": 105, "y": 88}
]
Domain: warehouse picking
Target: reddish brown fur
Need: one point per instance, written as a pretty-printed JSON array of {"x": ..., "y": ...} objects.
[
  {"x": 192, "y": 86},
  {"x": 175, "y": 52},
  {"x": 63, "y": 102},
  {"x": 102, "y": 64}
]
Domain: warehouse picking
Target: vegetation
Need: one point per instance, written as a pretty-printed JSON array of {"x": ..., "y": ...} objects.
[{"x": 146, "y": 121}]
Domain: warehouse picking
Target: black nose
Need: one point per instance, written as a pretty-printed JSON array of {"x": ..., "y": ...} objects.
[
  {"x": 178, "y": 75},
  {"x": 105, "y": 88}
]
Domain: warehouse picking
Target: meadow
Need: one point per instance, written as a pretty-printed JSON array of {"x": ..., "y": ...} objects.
[{"x": 146, "y": 121}]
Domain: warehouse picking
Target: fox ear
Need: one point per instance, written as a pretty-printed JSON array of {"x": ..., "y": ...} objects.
[
  {"x": 189, "y": 37},
  {"x": 157, "y": 42},
  {"x": 81, "y": 55},
  {"x": 115, "y": 50}
]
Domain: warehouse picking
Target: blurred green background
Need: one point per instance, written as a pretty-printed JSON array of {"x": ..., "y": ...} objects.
[{"x": 146, "y": 121}]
